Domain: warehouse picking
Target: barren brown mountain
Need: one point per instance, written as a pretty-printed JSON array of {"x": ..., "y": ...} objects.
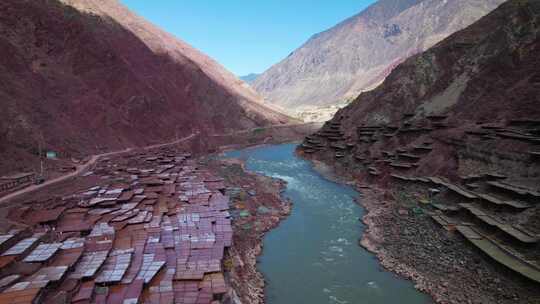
[
  {"x": 487, "y": 72},
  {"x": 82, "y": 76},
  {"x": 357, "y": 54}
]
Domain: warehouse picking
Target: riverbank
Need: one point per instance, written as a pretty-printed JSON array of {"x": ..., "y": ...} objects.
[
  {"x": 257, "y": 207},
  {"x": 313, "y": 257},
  {"x": 58, "y": 170},
  {"x": 409, "y": 243},
  {"x": 438, "y": 261},
  {"x": 166, "y": 177}
]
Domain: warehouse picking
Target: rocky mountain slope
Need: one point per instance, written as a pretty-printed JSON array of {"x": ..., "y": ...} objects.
[
  {"x": 487, "y": 72},
  {"x": 82, "y": 76},
  {"x": 357, "y": 54},
  {"x": 449, "y": 145}
]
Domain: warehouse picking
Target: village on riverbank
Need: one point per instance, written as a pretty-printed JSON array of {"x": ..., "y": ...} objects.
[{"x": 143, "y": 226}]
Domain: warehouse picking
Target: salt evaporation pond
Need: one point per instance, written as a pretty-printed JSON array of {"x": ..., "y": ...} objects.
[{"x": 314, "y": 256}]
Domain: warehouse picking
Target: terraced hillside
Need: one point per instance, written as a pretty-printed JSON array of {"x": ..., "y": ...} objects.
[{"x": 453, "y": 136}]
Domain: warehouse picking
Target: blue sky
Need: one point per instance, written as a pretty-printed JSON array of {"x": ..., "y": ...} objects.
[{"x": 246, "y": 35}]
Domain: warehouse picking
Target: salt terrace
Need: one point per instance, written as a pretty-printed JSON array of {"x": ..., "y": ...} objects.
[{"x": 157, "y": 233}]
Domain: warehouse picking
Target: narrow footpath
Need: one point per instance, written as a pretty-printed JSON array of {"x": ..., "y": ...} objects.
[{"x": 82, "y": 168}]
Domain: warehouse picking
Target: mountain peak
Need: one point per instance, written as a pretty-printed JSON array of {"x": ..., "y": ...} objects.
[{"x": 358, "y": 53}]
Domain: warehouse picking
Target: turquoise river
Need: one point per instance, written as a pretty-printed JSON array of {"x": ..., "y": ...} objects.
[{"x": 314, "y": 256}]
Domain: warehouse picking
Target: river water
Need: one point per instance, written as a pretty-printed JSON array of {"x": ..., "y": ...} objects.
[{"x": 313, "y": 256}]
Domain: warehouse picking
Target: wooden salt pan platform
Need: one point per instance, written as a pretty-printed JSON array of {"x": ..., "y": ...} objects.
[
  {"x": 499, "y": 253},
  {"x": 126, "y": 248},
  {"x": 520, "y": 190},
  {"x": 452, "y": 187},
  {"x": 494, "y": 200},
  {"x": 401, "y": 165},
  {"x": 492, "y": 221}
]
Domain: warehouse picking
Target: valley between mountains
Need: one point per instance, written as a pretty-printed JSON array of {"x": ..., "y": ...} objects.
[{"x": 394, "y": 157}]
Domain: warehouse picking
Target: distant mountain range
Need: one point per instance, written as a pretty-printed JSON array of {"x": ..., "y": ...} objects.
[
  {"x": 250, "y": 78},
  {"x": 80, "y": 76},
  {"x": 357, "y": 54}
]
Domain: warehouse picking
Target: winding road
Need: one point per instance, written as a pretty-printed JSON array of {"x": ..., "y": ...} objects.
[
  {"x": 94, "y": 158},
  {"x": 81, "y": 168}
]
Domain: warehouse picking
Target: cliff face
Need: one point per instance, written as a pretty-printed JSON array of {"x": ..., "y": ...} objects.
[
  {"x": 81, "y": 76},
  {"x": 357, "y": 54}
]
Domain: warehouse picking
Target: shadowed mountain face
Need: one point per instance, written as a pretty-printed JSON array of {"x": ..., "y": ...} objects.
[
  {"x": 88, "y": 75},
  {"x": 357, "y": 54},
  {"x": 488, "y": 72}
]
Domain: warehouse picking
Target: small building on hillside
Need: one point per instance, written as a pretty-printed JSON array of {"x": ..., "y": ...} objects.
[{"x": 51, "y": 155}]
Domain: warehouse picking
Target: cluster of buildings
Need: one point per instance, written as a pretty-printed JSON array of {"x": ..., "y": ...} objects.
[{"x": 155, "y": 231}]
